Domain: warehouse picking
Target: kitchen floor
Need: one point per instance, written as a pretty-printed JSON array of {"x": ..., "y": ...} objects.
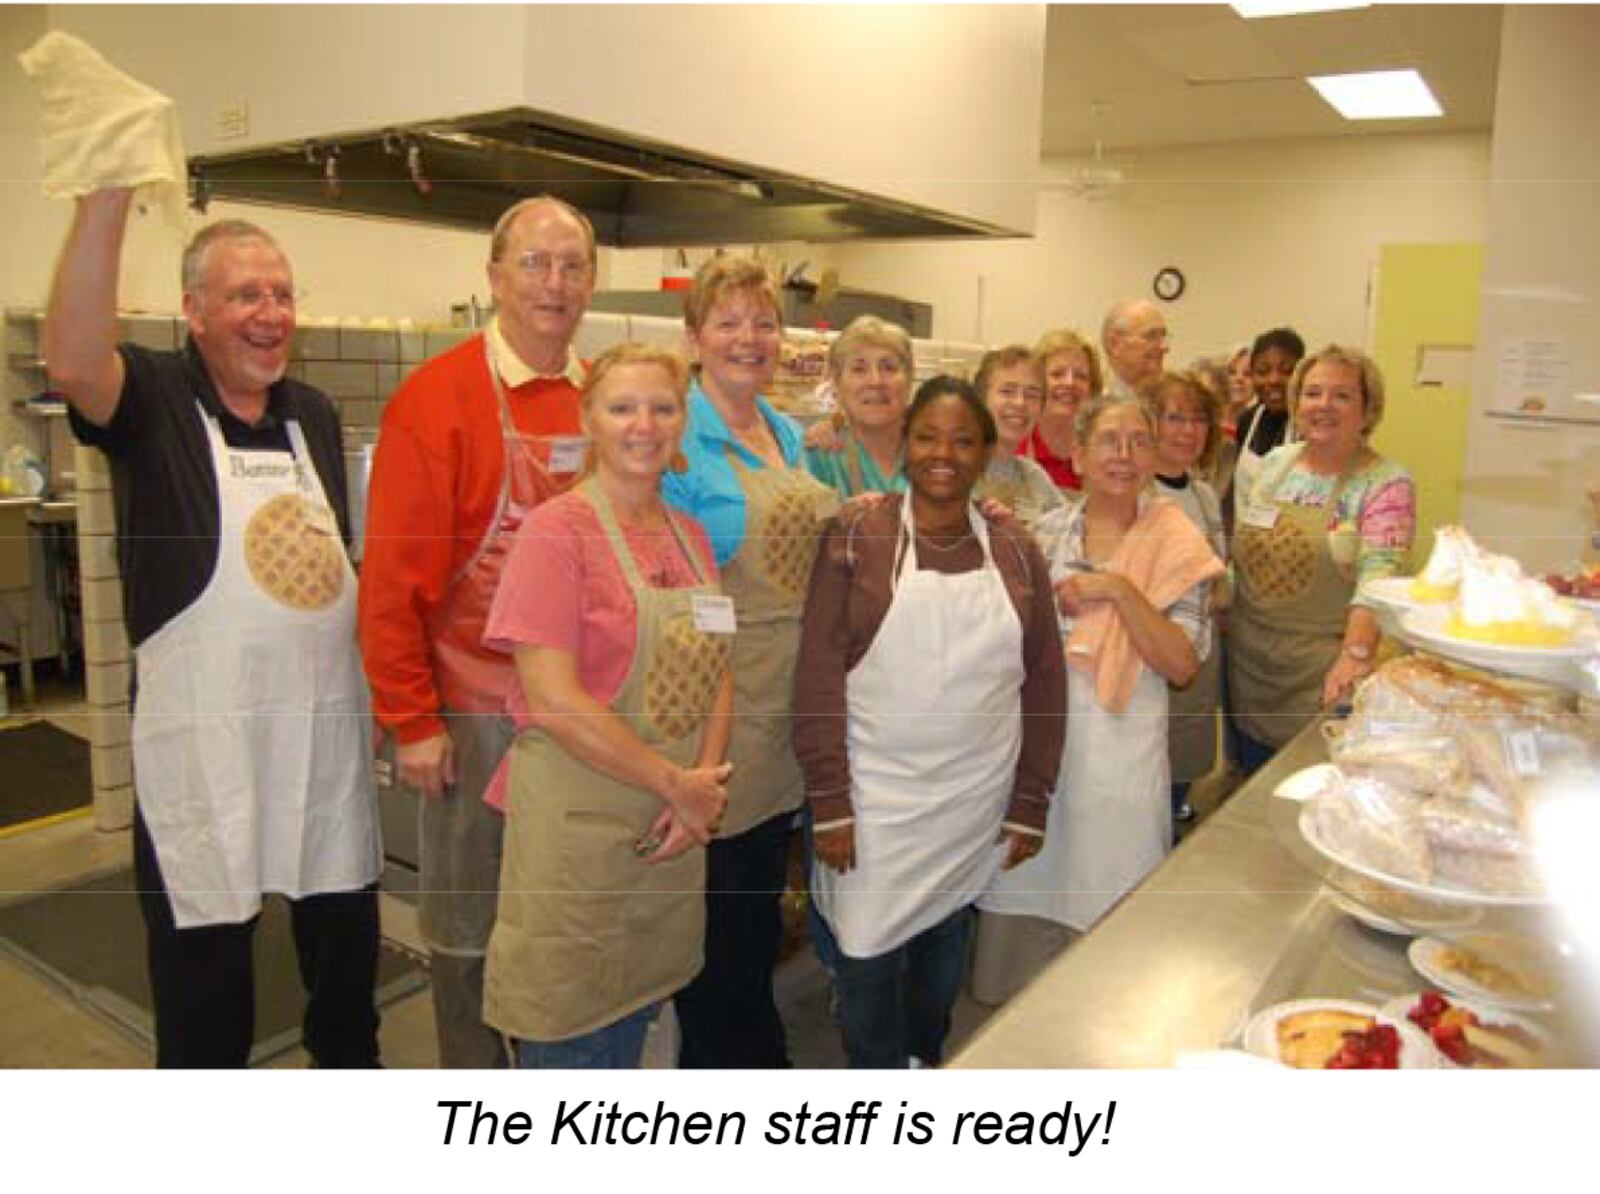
[{"x": 43, "y": 1026}]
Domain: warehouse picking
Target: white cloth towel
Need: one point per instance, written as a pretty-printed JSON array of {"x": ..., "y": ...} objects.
[{"x": 102, "y": 128}]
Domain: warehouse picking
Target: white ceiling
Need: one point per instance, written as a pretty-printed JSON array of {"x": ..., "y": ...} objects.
[{"x": 1140, "y": 75}]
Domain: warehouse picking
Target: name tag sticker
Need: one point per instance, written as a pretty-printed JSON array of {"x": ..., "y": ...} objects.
[
  {"x": 321, "y": 520},
  {"x": 1263, "y": 518},
  {"x": 566, "y": 454},
  {"x": 713, "y": 613}
]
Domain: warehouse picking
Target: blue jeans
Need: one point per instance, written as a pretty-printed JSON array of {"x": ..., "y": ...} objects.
[
  {"x": 1253, "y": 755},
  {"x": 617, "y": 1046},
  {"x": 896, "y": 1005}
]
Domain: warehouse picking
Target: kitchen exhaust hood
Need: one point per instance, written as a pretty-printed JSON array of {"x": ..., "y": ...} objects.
[{"x": 465, "y": 171}]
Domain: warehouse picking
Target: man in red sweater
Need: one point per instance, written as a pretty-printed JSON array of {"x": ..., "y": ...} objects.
[{"x": 472, "y": 441}]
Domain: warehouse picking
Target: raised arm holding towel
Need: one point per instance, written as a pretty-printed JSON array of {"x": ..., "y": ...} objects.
[{"x": 250, "y": 716}]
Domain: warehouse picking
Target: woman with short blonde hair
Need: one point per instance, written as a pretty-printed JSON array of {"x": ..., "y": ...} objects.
[
  {"x": 1071, "y": 375},
  {"x": 616, "y": 781},
  {"x": 746, "y": 481},
  {"x": 870, "y": 368},
  {"x": 1326, "y": 515}
]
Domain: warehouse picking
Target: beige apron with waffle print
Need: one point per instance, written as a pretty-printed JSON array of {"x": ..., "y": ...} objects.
[
  {"x": 587, "y": 931},
  {"x": 1295, "y": 581},
  {"x": 785, "y": 510}
]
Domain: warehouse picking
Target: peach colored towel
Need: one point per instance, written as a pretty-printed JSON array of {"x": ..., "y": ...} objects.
[{"x": 1164, "y": 555}]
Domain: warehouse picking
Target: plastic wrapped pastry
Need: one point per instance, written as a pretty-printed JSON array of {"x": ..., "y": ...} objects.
[{"x": 1376, "y": 824}]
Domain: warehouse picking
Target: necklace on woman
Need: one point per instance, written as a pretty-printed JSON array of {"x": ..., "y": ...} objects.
[{"x": 961, "y": 537}]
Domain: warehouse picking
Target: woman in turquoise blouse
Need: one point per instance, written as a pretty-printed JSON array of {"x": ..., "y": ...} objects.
[{"x": 863, "y": 452}]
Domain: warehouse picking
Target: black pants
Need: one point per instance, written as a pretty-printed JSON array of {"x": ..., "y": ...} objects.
[
  {"x": 727, "y": 1016},
  {"x": 203, "y": 978}
]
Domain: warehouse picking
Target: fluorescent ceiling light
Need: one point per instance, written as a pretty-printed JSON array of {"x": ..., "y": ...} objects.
[
  {"x": 1251, "y": 9},
  {"x": 1378, "y": 95}
]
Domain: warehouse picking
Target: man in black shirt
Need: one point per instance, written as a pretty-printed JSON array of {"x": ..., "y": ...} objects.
[{"x": 250, "y": 733}]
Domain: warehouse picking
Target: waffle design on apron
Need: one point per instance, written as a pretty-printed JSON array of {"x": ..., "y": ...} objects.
[
  {"x": 1281, "y": 562},
  {"x": 588, "y": 932},
  {"x": 250, "y": 747},
  {"x": 683, "y": 677},
  {"x": 785, "y": 510},
  {"x": 1294, "y": 588}
]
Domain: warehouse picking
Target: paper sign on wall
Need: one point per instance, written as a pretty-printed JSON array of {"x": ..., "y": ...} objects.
[{"x": 1532, "y": 375}]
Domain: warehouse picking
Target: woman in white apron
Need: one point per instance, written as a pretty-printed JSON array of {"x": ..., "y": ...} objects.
[
  {"x": 1266, "y": 425},
  {"x": 1132, "y": 582},
  {"x": 610, "y": 603},
  {"x": 934, "y": 635}
]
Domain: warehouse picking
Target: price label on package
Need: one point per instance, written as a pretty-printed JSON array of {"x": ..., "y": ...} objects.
[{"x": 1522, "y": 752}]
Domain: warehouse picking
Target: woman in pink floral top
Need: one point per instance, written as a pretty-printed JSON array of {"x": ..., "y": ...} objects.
[{"x": 1325, "y": 515}]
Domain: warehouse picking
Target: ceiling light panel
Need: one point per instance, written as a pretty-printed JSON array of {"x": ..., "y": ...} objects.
[
  {"x": 1378, "y": 95},
  {"x": 1252, "y": 9}
]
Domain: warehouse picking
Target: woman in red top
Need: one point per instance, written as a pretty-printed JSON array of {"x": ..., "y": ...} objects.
[{"x": 1071, "y": 375}]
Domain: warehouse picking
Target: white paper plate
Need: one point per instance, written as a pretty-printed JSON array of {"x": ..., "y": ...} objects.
[
  {"x": 1352, "y": 907},
  {"x": 1427, "y": 627},
  {"x": 1424, "y": 955},
  {"x": 1261, "y": 1034},
  {"x": 1589, "y": 605},
  {"x": 1222, "y": 1059},
  {"x": 1400, "y": 1006},
  {"x": 1450, "y": 895},
  {"x": 1356, "y": 910},
  {"x": 1304, "y": 784}
]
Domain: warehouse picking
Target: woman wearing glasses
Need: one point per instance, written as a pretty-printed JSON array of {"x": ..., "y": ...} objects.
[
  {"x": 1188, "y": 437},
  {"x": 1132, "y": 579}
]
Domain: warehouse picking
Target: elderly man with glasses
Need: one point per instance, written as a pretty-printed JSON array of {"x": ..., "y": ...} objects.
[
  {"x": 250, "y": 751},
  {"x": 1134, "y": 335},
  {"x": 470, "y": 443}
]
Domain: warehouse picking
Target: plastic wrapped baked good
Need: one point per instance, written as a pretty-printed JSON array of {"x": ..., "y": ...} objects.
[
  {"x": 1457, "y": 823},
  {"x": 1376, "y": 824},
  {"x": 1422, "y": 761},
  {"x": 1418, "y": 692},
  {"x": 1516, "y": 756},
  {"x": 1488, "y": 874}
]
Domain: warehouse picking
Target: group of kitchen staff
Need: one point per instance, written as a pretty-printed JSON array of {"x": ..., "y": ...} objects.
[
  {"x": 1097, "y": 465},
  {"x": 611, "y": 568}
]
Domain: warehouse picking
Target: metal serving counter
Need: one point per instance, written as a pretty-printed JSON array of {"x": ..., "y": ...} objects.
[{"x": 1234, "y": 921}]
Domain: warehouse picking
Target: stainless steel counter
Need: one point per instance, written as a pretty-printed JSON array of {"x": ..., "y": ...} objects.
[{"x": 1235, "y": 920}]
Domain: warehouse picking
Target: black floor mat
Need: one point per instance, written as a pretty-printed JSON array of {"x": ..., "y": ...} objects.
[
  {"x": 90, "y": 940},
  {"x": 43, "y": 771}
]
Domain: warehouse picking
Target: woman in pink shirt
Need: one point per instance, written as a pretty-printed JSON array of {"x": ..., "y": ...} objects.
[{"x": 611, "y": 606}]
